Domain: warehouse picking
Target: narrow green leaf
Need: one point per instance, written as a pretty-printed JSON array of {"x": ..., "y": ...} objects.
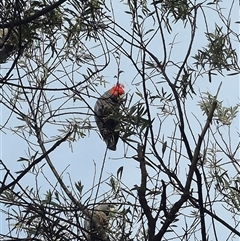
[{"x": 119, "y": 172}]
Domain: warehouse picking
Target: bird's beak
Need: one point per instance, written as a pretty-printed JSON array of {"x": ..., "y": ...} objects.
[
  {"x": 112, "y": 209},
  {"x": 122, "y": 97}
]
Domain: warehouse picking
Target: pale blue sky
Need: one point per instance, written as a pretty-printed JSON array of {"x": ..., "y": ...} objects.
[{"x": 89, "y": 150}]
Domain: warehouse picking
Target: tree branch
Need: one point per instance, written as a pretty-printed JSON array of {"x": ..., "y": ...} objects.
[
  {"x": 23, "y": 173},
  {"x": 34, "y": 16},
  {"x": 142, "y": 193}
]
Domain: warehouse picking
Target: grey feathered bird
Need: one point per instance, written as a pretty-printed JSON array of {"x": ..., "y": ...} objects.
[
  {"x": 97, "y": 222},
  {"x": 106, "y": 110}
]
